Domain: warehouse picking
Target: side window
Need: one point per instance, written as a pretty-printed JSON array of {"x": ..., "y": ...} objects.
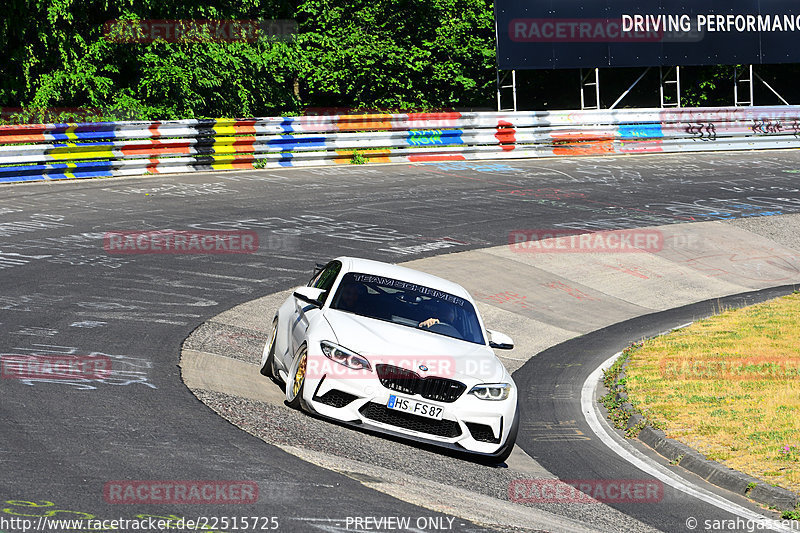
[{"x": 324, "y": 280}]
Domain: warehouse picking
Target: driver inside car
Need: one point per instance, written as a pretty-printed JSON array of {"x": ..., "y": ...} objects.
[{"x": 446, "y": 315}]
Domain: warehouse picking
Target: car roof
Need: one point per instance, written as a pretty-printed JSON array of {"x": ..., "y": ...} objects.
[{"x": 368, "y": 266}]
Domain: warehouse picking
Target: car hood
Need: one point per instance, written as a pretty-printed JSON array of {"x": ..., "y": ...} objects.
[{"x": 388, "y": 343}]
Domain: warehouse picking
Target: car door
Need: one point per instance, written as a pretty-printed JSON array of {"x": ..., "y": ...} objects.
[{"x": 305, "y": 312}]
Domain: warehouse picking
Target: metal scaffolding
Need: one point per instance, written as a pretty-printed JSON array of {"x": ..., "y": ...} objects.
[
  {"x": 595, "y": 103},
  {"x": 670, "y": 91},
  {"x": 665, "y": 80},
  {"x": 591, "y": 79},
  {"x": 502, "y": 78},
  {"x": 749, "y": 80}
]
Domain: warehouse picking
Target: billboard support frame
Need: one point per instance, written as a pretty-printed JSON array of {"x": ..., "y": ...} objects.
[
  {"x": 501, "y": 78},
  {"x": 768, "y": 86},
  {"x": 629, "y": 89},
  {"x": 737, "y": 101},
  {"x": 664, "y": 80},
  {"x": 585, "y": 84},
  {"x": 750, "y": 80}
]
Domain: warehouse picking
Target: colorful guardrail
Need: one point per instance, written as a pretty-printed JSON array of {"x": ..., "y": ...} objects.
[{"x": 101, "y": 149}]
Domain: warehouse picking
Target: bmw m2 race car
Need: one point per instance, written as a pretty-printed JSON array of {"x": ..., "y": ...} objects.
[{"x": 396, "y": 351}]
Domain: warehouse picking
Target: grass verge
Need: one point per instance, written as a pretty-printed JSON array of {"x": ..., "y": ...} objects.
[{"x": 728, "y": 386}]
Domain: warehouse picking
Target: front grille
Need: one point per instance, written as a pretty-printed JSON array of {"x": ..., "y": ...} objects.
[
  {"x": 398, "y": 379},
  {"x": 441, "y": 390},
  {"x": 335, "y": 398},
  {"x": 482, "y": 433},
  {"x": 408, "y": 382},
  {"x": 380, "y": 413}
]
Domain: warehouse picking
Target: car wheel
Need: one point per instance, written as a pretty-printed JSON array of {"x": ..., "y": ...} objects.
[
  {"x": 268, "y": 359},
  {"x": 297, "y": 379}
]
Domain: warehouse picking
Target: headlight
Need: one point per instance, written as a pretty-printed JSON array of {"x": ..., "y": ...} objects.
[
  {"x": 345, "y": 357},
  {"x": 492, "y": 391}
]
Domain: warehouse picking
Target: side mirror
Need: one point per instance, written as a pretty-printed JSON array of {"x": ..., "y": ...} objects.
[
  {"x": 310, "y": 295},
  {"x": 500, "y": 341}
]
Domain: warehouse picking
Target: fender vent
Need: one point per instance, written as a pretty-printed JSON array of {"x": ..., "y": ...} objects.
[{"x": 335, "y": 398}]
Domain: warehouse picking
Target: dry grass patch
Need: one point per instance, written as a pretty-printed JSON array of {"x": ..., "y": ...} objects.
[{"x": 729, "y": 386}]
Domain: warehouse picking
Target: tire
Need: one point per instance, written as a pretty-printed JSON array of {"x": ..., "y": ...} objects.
[
  {"x": 297, "y": 379},
  {"x": 268, "y": 367}
]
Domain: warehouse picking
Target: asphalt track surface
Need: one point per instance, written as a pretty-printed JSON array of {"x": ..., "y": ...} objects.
[
  {"x": 553, "y": 381},
  {"x": 62, "y": 293}
]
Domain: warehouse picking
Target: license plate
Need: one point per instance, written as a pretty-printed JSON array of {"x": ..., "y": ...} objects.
[{"x": 414, "y": 407}]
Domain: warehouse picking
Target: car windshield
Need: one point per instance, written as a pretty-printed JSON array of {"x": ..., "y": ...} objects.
[{"x": 408, "y": 304}]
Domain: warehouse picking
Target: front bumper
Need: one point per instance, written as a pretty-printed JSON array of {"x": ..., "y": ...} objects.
[{"x": 468, "y": 424}]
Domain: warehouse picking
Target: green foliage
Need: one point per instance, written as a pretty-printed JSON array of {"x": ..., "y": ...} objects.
[
  {"x": 358, "y": 158},
  {"x": 618, "y": 412},
  {"x": 387, "y": 54},
  {"x": 713, "y": 85},
  {"x": 792, "y": 515},
  {"x": 611, "y": 376},
  {"x": 395, "y": 54},
  {"x": 635, "y": 429}
]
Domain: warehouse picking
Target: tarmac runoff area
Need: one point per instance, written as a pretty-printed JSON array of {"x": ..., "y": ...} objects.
[{"x": 541, "y": 300}]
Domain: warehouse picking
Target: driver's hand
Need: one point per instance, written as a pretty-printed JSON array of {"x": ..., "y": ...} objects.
[{"x": 428, "y": 323}]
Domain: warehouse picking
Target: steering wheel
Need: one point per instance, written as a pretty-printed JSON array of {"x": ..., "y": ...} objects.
[{"x": 445, "y": 329}]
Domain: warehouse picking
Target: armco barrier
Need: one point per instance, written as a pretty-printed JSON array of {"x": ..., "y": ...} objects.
[{"x": 64, "y": 151}]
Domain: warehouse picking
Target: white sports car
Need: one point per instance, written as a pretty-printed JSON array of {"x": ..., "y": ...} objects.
[{"x": 396, "y": 351}]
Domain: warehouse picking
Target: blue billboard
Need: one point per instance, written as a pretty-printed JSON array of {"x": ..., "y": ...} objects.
[{"x": 552, "y": 34}]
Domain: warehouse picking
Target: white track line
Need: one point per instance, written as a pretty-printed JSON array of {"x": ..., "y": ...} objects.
[{"x": 642, "y": 462}]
